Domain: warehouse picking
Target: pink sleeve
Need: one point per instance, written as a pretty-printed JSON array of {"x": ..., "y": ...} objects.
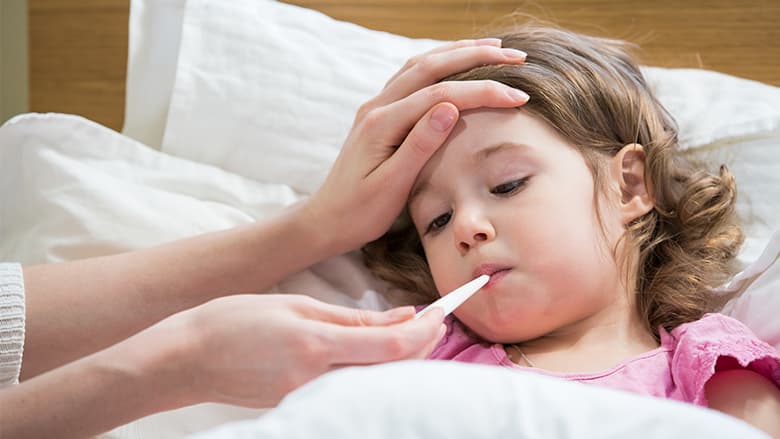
[{"x": 714, "y": 343}]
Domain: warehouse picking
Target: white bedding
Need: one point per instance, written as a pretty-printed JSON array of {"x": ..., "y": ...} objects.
[
  {"x": 70, "y": 188},
  {"x": 435, "y": 399}
]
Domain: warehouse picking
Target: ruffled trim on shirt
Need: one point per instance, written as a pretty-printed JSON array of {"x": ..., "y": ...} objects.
[{"x": 700, "y": 345}]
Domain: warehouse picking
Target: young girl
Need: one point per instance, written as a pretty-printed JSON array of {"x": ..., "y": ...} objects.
[{"x": 602, "y": 240}]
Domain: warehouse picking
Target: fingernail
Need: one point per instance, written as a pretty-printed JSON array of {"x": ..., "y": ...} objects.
[
  {"x": 514, "y": 53},
  {"x": 442, "y": 331},
  {"x": 488, "y": 42},
  {"x": 438, "y": 312},
  {"x": 443, "y": 118},
  {"x": 518, "y": 95},
  {"x": 400, "y": 313}
]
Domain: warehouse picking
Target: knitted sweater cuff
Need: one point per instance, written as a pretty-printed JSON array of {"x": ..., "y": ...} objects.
[{"x": 11, "y": 323}]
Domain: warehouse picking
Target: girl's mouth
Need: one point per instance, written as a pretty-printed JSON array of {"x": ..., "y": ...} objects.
[{"x": 496, "y": 277}]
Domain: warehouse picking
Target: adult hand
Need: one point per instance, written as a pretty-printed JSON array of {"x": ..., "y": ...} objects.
[
  {"x": 396, "y": 132},
  {"x": 251, "y": 350}
]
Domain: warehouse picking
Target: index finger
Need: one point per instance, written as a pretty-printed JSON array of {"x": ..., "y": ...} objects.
[
  {"x": 435, "y": 67},
  {"x": 379, "y": 344},
  {"x": 495, "y": 42}
]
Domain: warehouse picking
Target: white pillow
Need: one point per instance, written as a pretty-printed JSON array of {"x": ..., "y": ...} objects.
[
  {"x": 154, "y": 34},
  {"x": 759, "y": 302},
  {"x": 71, "y": 189},
  {"x": 259, "y": 80},
  {"x": 453, "y": 400},
  {"x": 269, "y": 90},
  {"x": 713, "y": 107}
]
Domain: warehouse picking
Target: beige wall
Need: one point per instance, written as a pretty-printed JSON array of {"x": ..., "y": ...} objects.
[{"x": 13, "y": 59}]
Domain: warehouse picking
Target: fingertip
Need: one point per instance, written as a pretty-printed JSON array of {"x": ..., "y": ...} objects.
[
  {"x": 435, "y": 314},
  {"x": 488, "y": 42},
  {"x": 518, "y": 95},
  {"x": 442, "y": 331},
  {"x": 399, "y": 314},
  {"x": 443, "y": 116}
]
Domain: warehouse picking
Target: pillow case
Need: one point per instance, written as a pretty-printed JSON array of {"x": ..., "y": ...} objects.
[
  {"x": 438, "y": 399},
  {"x": 71, "y": 189},
  {"x": 758, "y": 303},
  {"x": 246, "y": 94},
  {"x": 269, "y": 90},
  {"x": 154, "y": 34}
]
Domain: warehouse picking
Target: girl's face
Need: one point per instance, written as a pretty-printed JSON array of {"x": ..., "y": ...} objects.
[{"x": 507, "y": 196}]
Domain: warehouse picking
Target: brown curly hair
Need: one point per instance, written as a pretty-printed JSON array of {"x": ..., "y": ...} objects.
[{"x": 591, "y": 90}]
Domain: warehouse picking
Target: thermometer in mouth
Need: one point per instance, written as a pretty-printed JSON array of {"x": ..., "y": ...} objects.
[{"x": 456, "y": 298}]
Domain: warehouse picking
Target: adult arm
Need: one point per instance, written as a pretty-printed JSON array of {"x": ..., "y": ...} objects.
[
  {"x": 234, "y": 350},
  {"x": 76, "y": 308}
]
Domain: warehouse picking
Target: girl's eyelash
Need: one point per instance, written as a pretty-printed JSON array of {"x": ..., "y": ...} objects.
[
  {"x": 437, "y": 223},
  {"x": 508, "y": 188}
]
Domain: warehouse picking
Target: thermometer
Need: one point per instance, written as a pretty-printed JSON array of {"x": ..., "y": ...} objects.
[{"x": 451, "y": 301}]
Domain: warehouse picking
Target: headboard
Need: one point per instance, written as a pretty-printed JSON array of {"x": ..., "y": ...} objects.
[{"x": 78, "y": 48}]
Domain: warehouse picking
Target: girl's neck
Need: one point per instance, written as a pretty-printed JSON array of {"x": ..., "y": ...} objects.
[{"x": 593, "y": 344}]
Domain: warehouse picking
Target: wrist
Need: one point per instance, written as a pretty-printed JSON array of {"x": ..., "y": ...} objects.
[
  {"x": 160, "y": 360},
  {"x": 324, "y": 232}
]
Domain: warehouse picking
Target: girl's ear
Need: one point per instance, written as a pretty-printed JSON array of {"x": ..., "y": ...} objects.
[{"x": 628, "y": 168}]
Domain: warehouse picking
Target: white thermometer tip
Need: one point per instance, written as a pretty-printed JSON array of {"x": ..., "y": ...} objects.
[{"x": 449, "y": 302}]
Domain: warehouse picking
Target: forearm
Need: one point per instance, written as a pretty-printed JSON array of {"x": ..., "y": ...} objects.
[
  {"x": 102, "y": 391},
  {"x": 76, "y": 308}
]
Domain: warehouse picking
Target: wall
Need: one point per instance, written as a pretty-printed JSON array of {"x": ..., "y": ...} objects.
[{"x": 14, "y": 93}]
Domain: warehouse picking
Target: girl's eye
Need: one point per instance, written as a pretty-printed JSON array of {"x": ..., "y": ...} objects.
[
  {"x": 510, "y": 187},
  {"x": 438, "y": 223}
]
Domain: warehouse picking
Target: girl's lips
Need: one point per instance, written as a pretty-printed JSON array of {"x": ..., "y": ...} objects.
[{"x": 497, "y": 276}]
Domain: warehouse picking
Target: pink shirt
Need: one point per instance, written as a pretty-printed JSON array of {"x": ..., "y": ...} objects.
[{"x": 678, "y": 369}]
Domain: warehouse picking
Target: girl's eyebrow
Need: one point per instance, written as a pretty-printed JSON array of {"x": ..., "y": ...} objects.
[
  {"x": 484, "y": 153},
  {"x": 417, "y": 190},
  {"x": 479, "y": 156}
]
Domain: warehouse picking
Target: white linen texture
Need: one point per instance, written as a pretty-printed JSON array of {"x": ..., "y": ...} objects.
[{"x": 439, "y": 399}]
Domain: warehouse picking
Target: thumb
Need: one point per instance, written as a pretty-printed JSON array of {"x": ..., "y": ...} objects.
[
  {"x": 344, "y": 316},
  {"x": 369, "y": 345},
  {"x": 425, "y": 138}
]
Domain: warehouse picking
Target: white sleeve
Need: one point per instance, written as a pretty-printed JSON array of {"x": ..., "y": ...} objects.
[{"x": 11, "y": 323}]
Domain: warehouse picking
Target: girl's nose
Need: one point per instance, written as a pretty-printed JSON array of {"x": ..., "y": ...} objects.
[{"x": 471, "y": 229}]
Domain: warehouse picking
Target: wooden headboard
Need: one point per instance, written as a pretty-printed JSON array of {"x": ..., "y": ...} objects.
[{"x": 78, "y": 48}]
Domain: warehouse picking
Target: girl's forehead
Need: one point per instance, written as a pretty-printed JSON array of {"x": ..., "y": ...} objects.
[
  {"x": 484, "y": 127},
  {"x": 483, "y": 136},
  {"x": 481, "y": 133}
]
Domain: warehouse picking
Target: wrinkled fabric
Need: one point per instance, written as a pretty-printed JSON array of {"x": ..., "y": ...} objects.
[{"x": 678, "y": 369}]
